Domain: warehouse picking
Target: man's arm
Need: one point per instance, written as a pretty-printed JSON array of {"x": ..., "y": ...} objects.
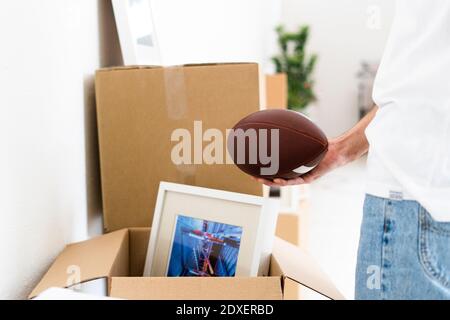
[{"x": 350, "y": 146}]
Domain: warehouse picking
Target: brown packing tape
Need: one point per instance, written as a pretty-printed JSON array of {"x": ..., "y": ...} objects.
[
  {"x": 176, "y": 105},
  {"x": 175, "y": 90}
]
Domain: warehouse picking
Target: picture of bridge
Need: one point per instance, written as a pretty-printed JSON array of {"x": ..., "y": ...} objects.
[{"x": 204, "y": 248}]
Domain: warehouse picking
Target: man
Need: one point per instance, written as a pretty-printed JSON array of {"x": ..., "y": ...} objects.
[{"x": 404, "y": 250}]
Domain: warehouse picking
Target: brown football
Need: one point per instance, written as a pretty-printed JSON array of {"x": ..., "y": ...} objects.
[{"x": 300, "y": 144}]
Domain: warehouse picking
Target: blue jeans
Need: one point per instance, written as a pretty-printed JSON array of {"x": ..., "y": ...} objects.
[{"x": 403, "y": 253}]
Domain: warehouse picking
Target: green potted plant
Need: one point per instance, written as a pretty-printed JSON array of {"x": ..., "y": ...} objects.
[{"x": 297, "y": 65}]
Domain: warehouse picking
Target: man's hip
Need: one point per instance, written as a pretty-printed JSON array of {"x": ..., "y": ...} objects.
[{"x": 403, "y": 253}]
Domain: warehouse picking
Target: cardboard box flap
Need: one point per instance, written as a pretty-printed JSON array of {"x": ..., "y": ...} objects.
[
  {"x": 209, "y": 64},
  {"x": 88, "y": 260},
  {"x": 139, "y": 238},
  {"x": 189, "y": 65},
  {"x": 132, "y": 67},
  {"x": 301, "y": 268}
]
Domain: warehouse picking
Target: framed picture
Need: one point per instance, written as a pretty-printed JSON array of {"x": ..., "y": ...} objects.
[
  {"x": 137, "y": 34},
  {"x": 200, "y": 232}
]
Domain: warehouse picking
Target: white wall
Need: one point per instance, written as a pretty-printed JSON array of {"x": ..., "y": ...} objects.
[
  {"x": 215, "y": 31},
  {"x": 341, "y": 37},
  {"x": 202, "y": 31},
  {"x": 49, "y": 187}
]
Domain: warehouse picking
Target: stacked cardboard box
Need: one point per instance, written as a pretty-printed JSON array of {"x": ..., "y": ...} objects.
[
  {"x": 138, "y": 110},
  {"x": 276, "y": 91}
]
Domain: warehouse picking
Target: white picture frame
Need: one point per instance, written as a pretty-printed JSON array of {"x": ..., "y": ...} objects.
[
  {"x": 256, "y": 216},
  {"x": 137, "y": 32}
]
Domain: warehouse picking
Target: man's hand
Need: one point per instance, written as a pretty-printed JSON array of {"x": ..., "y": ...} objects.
[
  {"x": 334, "y": 158},
  {"x": 350, "y": 146}
]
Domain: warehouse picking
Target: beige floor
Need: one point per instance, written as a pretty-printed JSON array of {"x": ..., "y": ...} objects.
[{"x": 330, "y": 228}]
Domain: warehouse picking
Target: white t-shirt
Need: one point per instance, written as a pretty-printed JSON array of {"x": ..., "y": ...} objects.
[{"x": 409, "y": 138}]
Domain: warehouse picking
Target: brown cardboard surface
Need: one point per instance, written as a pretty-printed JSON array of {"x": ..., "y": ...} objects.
[
  {"x": 139, "y": 238},
  {"x": 288, "y": 226},
  {"x": 300, "y": 267},
  {"x": 291, "y": 290},
  {"x": 138, "y": 109},
  {"x": 263, "y": 288},
  {"x": 288, "y": 229},
  {"x": 96, "y": 258},
  {"x": 276, "y": 91},
  {"x": 274, "y": 268}
]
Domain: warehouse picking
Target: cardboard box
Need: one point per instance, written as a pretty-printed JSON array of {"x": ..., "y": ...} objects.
[
  {"x": 119, "y": 257},
  {"x": 276, "y": 91},
  {"x": 288, "y": 227},
  {"x": 138, "y": 110},
  {"x": 291, "y": 228}
]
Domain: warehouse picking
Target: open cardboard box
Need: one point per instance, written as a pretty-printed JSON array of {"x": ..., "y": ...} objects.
[
  {"x": 138, "y": 109},
  {"x": 119, "y": 257}
]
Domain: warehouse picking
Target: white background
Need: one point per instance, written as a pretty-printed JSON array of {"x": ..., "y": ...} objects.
[
  {"x": 215, "y": 31},
  {"x": 341, "y": 38}
]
